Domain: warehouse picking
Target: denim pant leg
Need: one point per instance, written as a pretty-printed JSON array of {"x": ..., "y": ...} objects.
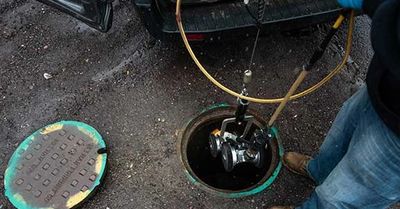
[
  {"x": 338, "y": 138},
  {"x": 367, "y": 177}
]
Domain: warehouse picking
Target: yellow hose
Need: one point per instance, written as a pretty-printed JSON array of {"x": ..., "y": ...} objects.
[{"x": 266, "y": 100}]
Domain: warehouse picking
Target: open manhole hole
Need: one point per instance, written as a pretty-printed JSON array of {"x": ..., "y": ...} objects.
[
  {"x": 58, "y": 166},
  {"x": 208, "y": 172}
]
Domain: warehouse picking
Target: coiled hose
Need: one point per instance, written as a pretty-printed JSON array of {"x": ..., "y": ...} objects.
[{"x": 309, "y": 90}]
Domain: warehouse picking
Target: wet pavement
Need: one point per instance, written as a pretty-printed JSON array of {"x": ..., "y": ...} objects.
[{"x": 138, "y": 93}]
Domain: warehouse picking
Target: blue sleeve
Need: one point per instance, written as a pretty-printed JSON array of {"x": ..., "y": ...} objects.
[{"x": 351, "y": 4}]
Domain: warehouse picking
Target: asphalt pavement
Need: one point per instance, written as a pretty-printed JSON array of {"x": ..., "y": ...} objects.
[{"x": 139, "y": 92}]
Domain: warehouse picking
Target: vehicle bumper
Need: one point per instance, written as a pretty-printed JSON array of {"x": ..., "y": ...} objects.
[{"x": 221, "y": 20}]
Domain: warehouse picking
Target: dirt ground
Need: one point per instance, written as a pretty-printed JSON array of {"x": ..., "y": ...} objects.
[{"x": 138, "y": 92}]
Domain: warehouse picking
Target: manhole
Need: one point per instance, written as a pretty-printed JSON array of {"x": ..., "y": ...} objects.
[
  {"x": 58, "y": 166},
  {"x": 208, "y": 172}
]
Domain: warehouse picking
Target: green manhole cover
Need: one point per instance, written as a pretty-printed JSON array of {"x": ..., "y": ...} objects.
[{"x": 58, "y": 166}]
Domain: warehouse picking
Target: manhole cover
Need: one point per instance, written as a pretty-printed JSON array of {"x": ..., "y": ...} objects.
[{"x": 58, "y": 166}]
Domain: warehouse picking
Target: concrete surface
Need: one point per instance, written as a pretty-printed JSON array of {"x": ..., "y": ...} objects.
[{"x": 138, "y": 92}]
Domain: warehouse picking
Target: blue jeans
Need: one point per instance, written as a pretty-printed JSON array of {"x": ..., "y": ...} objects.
[{"x": 358, "y": 165}]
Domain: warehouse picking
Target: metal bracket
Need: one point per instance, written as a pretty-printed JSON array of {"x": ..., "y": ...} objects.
[{"x": 248, "y": 118}]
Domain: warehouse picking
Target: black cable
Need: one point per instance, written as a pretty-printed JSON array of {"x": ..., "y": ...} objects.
[{"x": 260, "y": 12}]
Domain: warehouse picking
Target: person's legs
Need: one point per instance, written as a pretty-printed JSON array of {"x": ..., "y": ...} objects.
[
  {"x": 338, "y": 138},
  {"x": 368, "y": 175}
]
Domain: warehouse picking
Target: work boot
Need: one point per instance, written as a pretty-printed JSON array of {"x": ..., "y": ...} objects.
[
  {"x": 282, "y": 207},
  {"x": 297, "y": 163}
]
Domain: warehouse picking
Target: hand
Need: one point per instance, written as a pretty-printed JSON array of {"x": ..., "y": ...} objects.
[{"x": 351, "y": 4}]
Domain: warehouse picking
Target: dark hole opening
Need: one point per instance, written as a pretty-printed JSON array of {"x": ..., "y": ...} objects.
[{"x": 211, "y": 171}]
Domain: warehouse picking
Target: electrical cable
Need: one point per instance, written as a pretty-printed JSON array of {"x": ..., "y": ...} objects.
[
  {"x": 266, "y": 100},
  {"x": 260, "y": 17}
]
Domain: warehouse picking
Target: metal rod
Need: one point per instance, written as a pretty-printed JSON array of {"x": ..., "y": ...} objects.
[
  {"x": 291, "y": 91},
  {"x": 314, "y": 58}
]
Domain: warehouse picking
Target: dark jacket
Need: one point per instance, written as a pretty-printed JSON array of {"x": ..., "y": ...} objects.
[{"x": 383, "y": 77}]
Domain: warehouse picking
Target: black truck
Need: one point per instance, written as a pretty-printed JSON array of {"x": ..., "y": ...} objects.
[{"x": 205, "y": 18}]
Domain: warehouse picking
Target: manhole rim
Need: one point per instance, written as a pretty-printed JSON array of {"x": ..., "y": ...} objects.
[
  {"x": 264, "y": 183},
  {"x": 24, "y": 143}
]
